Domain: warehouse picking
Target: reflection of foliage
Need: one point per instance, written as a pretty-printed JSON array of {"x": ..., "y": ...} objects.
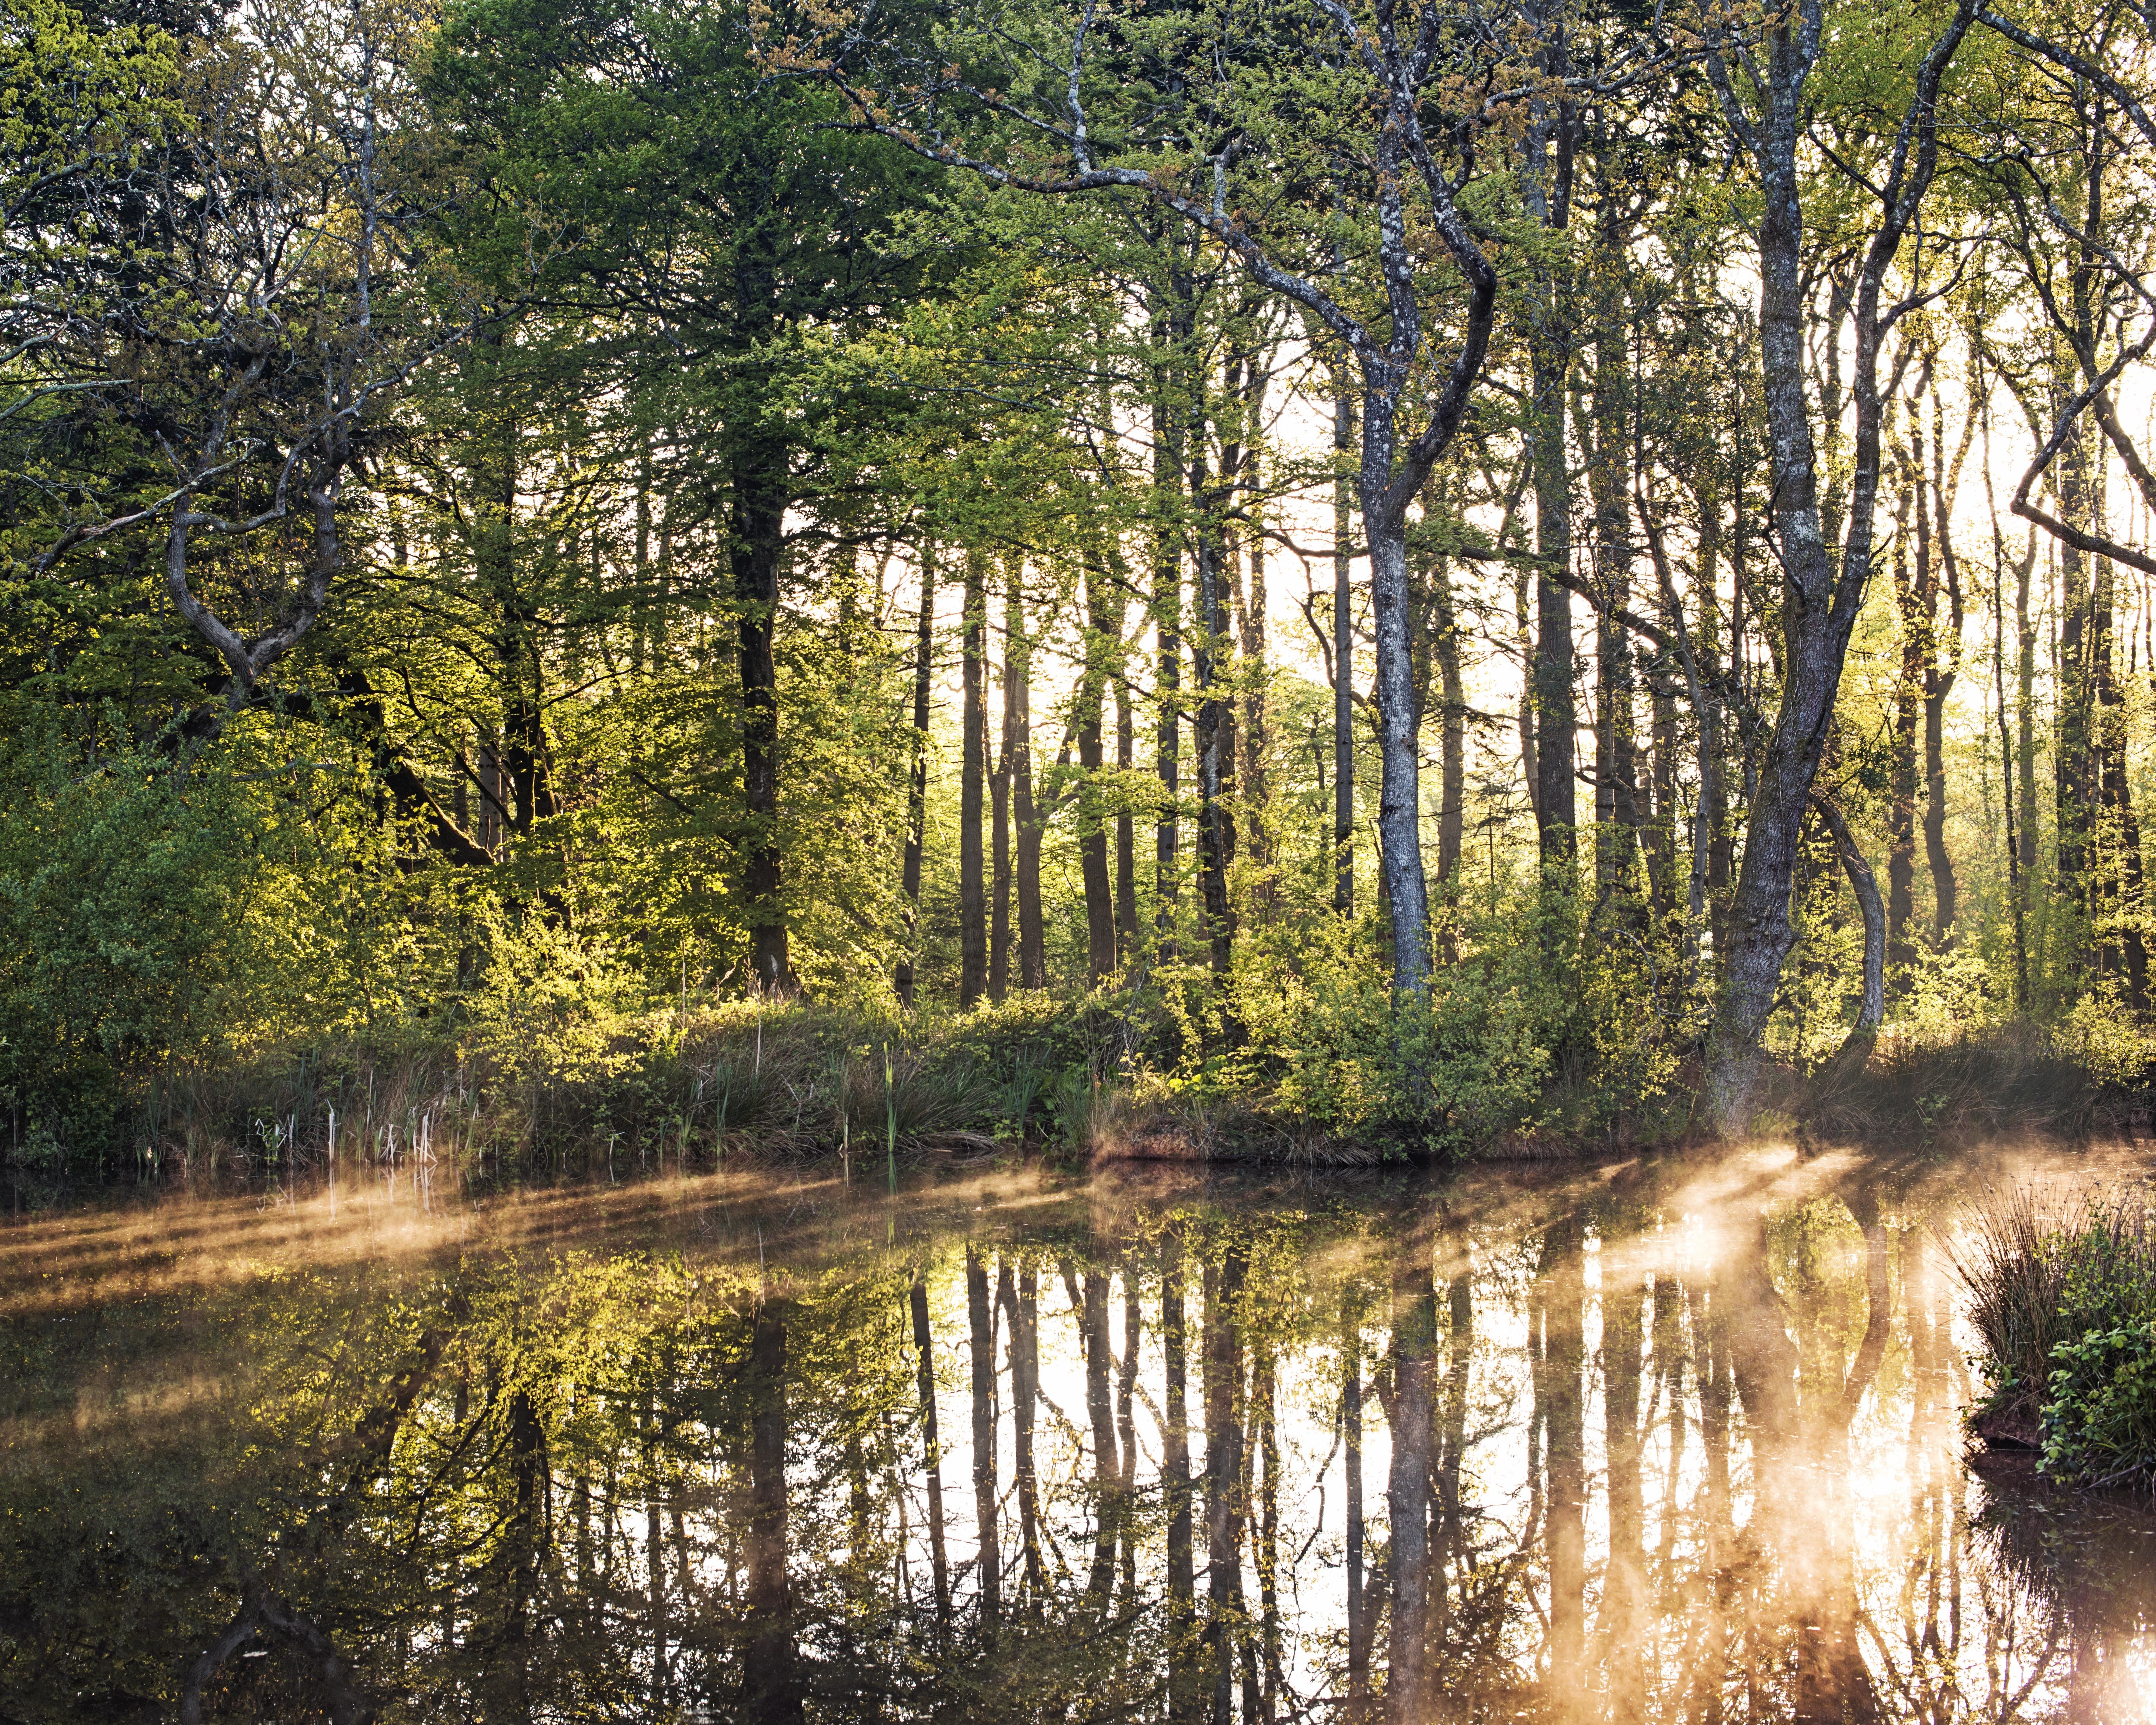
[{"x": 589, "y": 1483}]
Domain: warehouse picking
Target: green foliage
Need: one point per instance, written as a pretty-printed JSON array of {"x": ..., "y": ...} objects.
[
  {"x": 123, "y": 922},
  {"x": 2100, "y": 1424}
]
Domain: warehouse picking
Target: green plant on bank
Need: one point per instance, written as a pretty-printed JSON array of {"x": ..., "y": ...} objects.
[
  {"x": 2063, "y": 1302},
  {"x": 2100, "y": 1423}
]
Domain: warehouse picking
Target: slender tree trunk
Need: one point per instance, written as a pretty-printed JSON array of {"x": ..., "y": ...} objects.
[
  {"x": 1025, "y": 817},
  {"x": 2127, "y": 951},
  {"x": 1126, "y": 862},
  {"x": 1942, "y": 662},
  {"x": 917, "y": 789},
  {"x": 1168, "y": 427},
  {"x": 1344, "y": 664},
  {"x": 1000, "y": 849},
  {"x": 1256, "y": 737},
  {"x": 1452, "y": 728},
  {"x": 1872, "y": 998},
  {"x": 1553, "y": 666},
  {"x": 759, "y": 538},
  {"x": 1103, "y": 633},
  {"x": 1618, "y": 820},
  {"x": 1209, "y": 645},
  {"x": 2025, "y": 738},
  {"x": 1662, "y": 854},
  {"x": 972, "y": 899},
  {"x": 1901, "y": 775}
]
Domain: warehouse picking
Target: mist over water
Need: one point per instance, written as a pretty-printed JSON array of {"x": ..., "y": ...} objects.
[{"x": 1674, "y": 1440}]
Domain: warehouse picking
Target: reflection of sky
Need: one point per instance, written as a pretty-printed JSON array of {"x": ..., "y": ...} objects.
[{"x": 1875, "y": 1537}]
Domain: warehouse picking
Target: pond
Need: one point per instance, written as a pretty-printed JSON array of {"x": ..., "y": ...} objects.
[{"x": 1669, "y": 1439}]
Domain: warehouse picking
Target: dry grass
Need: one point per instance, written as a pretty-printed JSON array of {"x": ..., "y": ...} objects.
[
  {"x": 785, "y": 1084},
  {"x": 2015, "y": 1082}
]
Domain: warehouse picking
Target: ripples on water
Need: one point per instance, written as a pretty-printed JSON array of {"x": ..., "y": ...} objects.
[{"x": 1676, "y": 1440}]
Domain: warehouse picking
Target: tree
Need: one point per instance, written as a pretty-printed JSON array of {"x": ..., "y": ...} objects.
[
  {"x": 1823, "y": 592},
  {"x": 1395, "y": 89}
]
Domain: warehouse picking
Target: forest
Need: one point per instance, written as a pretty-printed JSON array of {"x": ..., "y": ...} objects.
[{"x": 583, "y": 580}]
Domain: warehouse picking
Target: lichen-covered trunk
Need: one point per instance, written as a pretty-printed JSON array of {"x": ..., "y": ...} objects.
[{"x": 1399, "y": 792}]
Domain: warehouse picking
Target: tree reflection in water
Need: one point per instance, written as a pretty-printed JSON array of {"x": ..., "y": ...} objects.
[{"x": 1654, "y": 1443}]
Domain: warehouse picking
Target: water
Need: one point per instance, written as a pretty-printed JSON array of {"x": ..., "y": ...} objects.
[{"x": 1675, "y": 1440}]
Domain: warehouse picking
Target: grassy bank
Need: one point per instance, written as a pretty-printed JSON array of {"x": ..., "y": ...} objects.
[
  {"x": 2063, "y": 1295},
  {"x": 577, "y": 1092}
]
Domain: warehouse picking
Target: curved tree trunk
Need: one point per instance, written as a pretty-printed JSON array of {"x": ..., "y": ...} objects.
[{"x": 1856, "y": 1050}]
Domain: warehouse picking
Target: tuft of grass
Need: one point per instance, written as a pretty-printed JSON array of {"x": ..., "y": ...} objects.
[{"x": 2062, "y": 1297}]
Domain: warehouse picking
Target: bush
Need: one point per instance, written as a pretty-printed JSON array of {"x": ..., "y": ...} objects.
[{"x": 2100, "y": 1425}]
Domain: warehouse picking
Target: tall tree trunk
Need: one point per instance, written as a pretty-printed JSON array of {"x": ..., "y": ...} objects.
[
  {"x": 1551, "y": 681},
  {"x": 1942, "y": 664},
  {"x": 1025, "y": 818},
  {"x": 1821, "y": 604},
  {"x": 1343, "y": 661},
  {"x": 1855, "y": 1049},
  {"x": 1127, "y": 860},
  {"x": 1662, "y": 852},
  {"x": 1616, "y": 786},
  {"x": 2025, "y": 735},
  {"x": 2127, "y": 953},
  {"x": 999, "y": 848},
  {"x": 1546, "y": 188},
  {"x": 1452, "y": 727},
  {"x": 1209, "y": 646},
  {"x": 1901, "y": 773},
  {"x": 1254, "y": 736},
  {"x": 916, "y": 786},
  {"x": 972, "y": 775},
  {"x": 1169, "y": 428},
  {"x": 1103, "y": 635},
  {"x": 759, "y": 540}
]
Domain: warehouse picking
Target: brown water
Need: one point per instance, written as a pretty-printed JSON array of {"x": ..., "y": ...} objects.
[{"x": 1674, "y": 1440}]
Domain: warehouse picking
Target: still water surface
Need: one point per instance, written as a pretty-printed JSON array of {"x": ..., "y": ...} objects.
[{"x": 1671, "y": 1439}]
